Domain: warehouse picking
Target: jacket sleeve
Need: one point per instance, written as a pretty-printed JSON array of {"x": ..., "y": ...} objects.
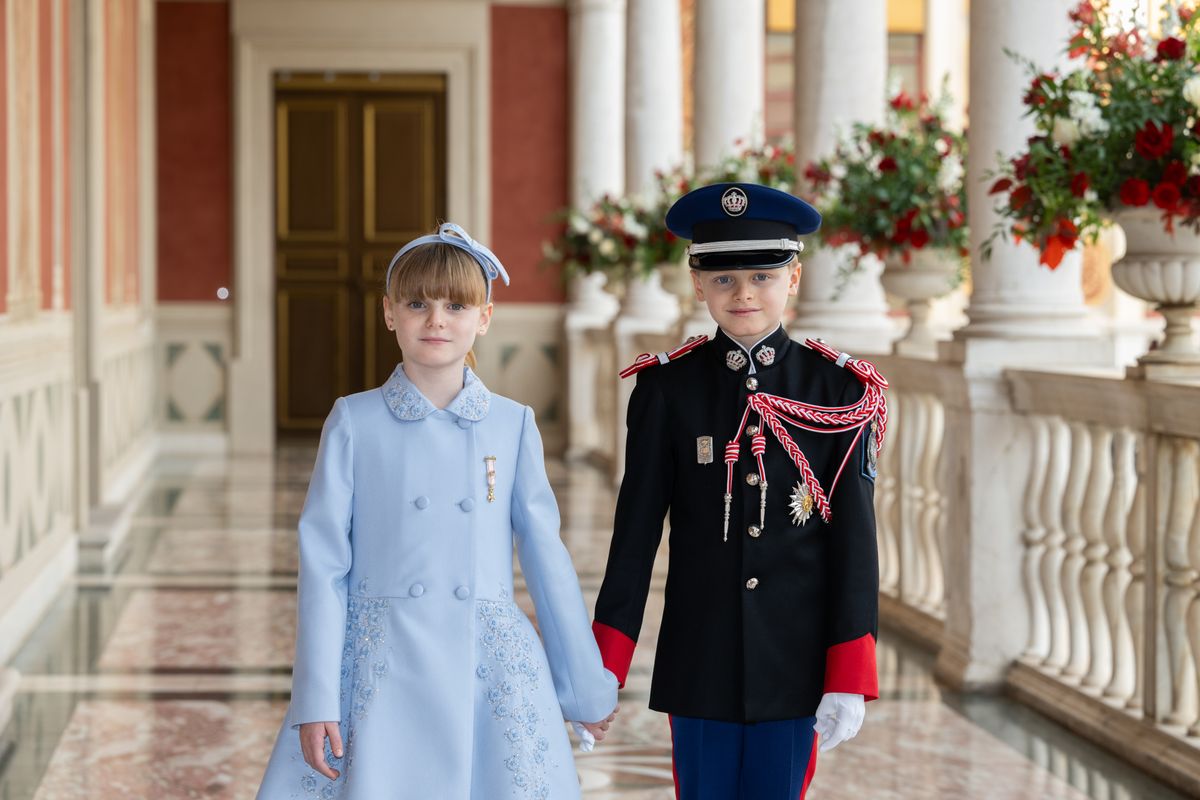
[
  {"x": 324, "y": 566},
  {"x": 853, "y": 570},
  {"x": 586, "y": 691},
  {"x": 637, "y": 526}
]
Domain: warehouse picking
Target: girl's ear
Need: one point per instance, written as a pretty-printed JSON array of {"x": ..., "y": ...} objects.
[
  {"x": 485, "y": 318},
  {"x": 387, "y": 313}
]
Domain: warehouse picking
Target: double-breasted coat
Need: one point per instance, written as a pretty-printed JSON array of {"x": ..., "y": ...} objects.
[
  {"x": 756, "y": 627},
  {"x": 408, "y": 634}
]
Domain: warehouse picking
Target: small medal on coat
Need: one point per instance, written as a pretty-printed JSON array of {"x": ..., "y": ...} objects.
[
  {"x": 490, "y": 463},
  {"x": 873, "y": 445},
  {"x": 704, "y": 450},
  {"x": 801, "y": 504}
]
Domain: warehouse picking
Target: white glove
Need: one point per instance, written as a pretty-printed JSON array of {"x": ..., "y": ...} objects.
[
  {"x": 587, "y": 742},
  {"x": 839, "y": 717}
]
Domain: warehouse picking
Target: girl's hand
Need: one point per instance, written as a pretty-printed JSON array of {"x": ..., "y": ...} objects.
[
  {"x": 312, "y": 744},
  {"x": 600, "y": 729}
]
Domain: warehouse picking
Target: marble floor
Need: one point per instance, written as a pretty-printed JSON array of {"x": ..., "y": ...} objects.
[{"x": 167, "y": 677}]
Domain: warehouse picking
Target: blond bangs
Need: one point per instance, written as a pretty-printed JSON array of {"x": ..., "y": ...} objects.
[{"x": 436, "y": 271}]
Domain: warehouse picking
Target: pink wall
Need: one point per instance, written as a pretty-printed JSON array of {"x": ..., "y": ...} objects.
[
  {"x": 195, "y": 162},
  {"x": 529, "y": 143},
  {"x": 46, "y": 149},
  {"x": 4, "y": 161}
]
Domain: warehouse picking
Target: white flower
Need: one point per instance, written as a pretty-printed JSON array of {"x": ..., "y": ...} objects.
[
  {"x": 594, "y": 236},
  {"x": 608, "y": 248},
  {"x": 1194, "y": 161},
  {"x": 1191, "y": 90},
  {"x": 784, "y": 186},
  {"x": 634, "y": 228},
  {"x": 1066, "y": 132},
  {"x": 942, "y": 146},
  {"x": 838, "y": 171},
  {"x": 873, "y": 164},
  {"x": 1090, "y": 120},
  {"x": 950, "y": 174},
  {"x": 578, "y": 224},
  {"x": 1090, "y": 196},
  {"x": 748, "y": 173},
  {"x": 1081, "y": 99}
]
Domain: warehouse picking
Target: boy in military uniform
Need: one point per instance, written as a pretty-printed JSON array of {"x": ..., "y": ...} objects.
[{"x": 763, "y": 451}]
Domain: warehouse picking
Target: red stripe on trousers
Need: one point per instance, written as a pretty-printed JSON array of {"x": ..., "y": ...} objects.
[{"x": 812, "y": 768}]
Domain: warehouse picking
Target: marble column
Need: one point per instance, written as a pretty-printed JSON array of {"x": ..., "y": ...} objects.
[
  {"x": 729, "y": 76},
  {"x": 1021, "y": 315},
  {"x": 841, "y": 73},
  {"x": 653, "y": 92},
  {"x": 597, "y": 42},
  {"x": 944, "y": 55}
]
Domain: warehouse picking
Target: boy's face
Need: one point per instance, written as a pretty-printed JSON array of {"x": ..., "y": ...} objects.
[
  {"x": 747, "y": 303},
  {"x": 436, "y": 333}
]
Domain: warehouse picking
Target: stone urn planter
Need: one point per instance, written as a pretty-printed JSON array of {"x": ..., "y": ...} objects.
[
  {"x": 929, "y": 275},
  {"x": 1163, "y": 269},
  {"x": 586, "y": 295},
  {"x": 646, "y": 299}
]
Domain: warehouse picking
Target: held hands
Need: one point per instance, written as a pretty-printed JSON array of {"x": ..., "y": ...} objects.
[
  {"x": 312, "y": 744},
  {"x": 591, "y": 732},
  {"x": 839, "y": 717}
]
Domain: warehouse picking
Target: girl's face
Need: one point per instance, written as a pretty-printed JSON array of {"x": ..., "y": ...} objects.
[
  {"x": 435, "y": 334},
  {"x": 747, "y": 303}
]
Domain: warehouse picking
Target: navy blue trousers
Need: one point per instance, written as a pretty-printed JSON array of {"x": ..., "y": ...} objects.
[{"x": 730, "y": 761}]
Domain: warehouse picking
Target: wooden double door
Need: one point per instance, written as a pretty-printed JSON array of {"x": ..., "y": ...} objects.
[{"x": 360, "y": 170}]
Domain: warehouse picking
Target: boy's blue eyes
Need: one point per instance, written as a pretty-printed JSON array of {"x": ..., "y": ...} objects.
[{"x": 725, "y": 280}]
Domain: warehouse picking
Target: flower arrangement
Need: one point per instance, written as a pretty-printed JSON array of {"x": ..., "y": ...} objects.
[
  {"x": 1120, "y": 130},
  {"x": 769, "y": 164},
  {"x": 891, "y": 189},
  {"x": 600, "y": 239}
]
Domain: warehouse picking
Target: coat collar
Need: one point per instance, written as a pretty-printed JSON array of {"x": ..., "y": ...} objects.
[
  {"x": 766, "y": 353},
  {"x": 408, "y": 404}
]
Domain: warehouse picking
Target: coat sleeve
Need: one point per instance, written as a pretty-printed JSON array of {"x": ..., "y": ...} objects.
[
  {"x": 324, "y": 566},
  {"x": 854, "y": 570},
  {"x": 586, "y": 691},
  {"x": 637, "y": 526}
]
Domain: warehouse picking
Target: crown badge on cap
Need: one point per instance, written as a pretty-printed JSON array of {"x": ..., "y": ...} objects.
[{"x": 735, "y": 202}]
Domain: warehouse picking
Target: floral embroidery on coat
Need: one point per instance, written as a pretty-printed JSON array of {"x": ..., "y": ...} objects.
[
  {"x": 408, "y": 404},
  {"x": 511, "y": 673}
]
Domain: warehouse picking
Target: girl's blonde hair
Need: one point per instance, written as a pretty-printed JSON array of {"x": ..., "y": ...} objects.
[{"x": 435, "y": 271}]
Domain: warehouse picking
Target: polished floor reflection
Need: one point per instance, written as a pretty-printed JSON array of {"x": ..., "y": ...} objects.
[{"x": 167, "y": 677}]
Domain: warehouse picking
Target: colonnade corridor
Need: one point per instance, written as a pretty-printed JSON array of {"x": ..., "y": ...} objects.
[{"x": 169, "y": 677}]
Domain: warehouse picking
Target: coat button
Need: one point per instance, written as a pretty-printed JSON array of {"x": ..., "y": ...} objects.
[
  {"x": 752, "y": 430},
  {"x": 422, "y": 502},
  {"x": 462, "y": 593},
  {"x": 752, "y": 583},
  {"x": 752, "y": 384},
  {"x": 464, "y": 423},
  {"x": 752, "y": 479},
  {"x": 466, "y": 504},
  {"x": 416, "y": 590},
  {"x": 754, "y": 532}
]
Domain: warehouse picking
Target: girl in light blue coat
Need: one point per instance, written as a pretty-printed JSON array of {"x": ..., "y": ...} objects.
[{"x": 416, "y": 674}]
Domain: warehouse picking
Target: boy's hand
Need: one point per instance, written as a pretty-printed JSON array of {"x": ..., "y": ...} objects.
[
  {"x": 312, "y": 745},
  {"x": 839, "y": 717},
  {"x": 600, "y": 729}
]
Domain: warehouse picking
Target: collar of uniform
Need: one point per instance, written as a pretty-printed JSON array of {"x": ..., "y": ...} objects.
[
  {"x": 777, "y": 342},
  {"x": 408, "y": 404}
]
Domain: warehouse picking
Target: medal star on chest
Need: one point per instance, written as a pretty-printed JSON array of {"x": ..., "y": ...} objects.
[{"x": 801, "y": 504}]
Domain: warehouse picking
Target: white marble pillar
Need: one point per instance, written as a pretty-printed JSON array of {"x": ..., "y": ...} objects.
[
  {"x": 1021, "y": 315},
  {"x": 944, "y": 55},
  {"x": 653, "y": 92},
  {"x": 597, "y": 41},
  {"x": 841, "y": 74},
  {"x": 729, "y": 76}
]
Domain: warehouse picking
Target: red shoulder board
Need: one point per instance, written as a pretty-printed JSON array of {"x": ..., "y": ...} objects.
[
  {"x": 865, "y": 370},
  {"x": 651, "y": 359}
]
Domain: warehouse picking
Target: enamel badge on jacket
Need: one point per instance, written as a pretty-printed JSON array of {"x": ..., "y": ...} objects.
[{"x": 408, "y": 632}]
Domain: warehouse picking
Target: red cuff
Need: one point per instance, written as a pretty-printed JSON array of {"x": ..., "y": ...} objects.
[
  {"x": 850, "y": 668},
  {"x": 616, "y": 649}
]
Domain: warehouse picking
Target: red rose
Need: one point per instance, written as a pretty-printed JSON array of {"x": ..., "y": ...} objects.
[
  {"x": 816, "y": 173},
  {"x": 1171, "y": 49},
  {"x": 919, "y": 238},
  {"x": 1083, "y": 13},
  {"x": 1079, "y": 184},
  {"x": 888, "y": 164},
  {"x": 1166, "y": 196},
  {"x": 1002, "y": 185},
  {"x": 1135, "y": 192},
  {"x": 1021, "y": 167},
  {"x": 1175, "y": 173},
  {"x": 1152, "y": 141},
  {"x": 902, "y": 102},
  {"x": 1020, "y": 198}
]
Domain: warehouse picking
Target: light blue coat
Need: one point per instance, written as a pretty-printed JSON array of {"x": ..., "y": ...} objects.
[{"x": 408, "y": 633}]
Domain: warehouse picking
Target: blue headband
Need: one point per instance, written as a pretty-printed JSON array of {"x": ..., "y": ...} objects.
[{"x": 449, "y": 233}]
